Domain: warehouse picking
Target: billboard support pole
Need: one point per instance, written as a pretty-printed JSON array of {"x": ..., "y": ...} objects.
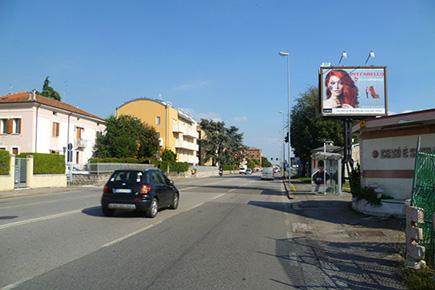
[{"x": 347, "y": 158}]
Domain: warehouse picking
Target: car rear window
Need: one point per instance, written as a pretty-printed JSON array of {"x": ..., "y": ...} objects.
[
  {"x": 127, "y": 176},
  {"x": 268, "y": 170}
]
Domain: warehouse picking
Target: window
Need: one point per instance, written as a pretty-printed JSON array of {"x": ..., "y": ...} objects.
[
  {"x": 157, "y": 178},
  {"x": 15, "y": 150},
  {"x": 158, "y": 120},
  {"x": 3, "y": 126},
  {"x": 55, "y": 129},
  {"x": 79, "y": 132},
  {"x": 16, "y": 126}
]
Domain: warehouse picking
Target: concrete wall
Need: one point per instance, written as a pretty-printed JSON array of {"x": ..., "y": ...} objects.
[
  {"x": 7, "y": 181},
  {"x": 389, "y": 162},
  {"x": 43, "y": 180}
]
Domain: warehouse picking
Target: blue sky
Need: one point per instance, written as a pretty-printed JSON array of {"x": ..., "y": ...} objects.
[{"x": 215, "y": 59}]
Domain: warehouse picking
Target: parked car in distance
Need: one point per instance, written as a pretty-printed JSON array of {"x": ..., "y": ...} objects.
[
  {"x": 248, "y": 171},
  {"x": 267, "y": 173},
  {"x": 242, "y": 169},
  {"x": 145, "y": 191}
]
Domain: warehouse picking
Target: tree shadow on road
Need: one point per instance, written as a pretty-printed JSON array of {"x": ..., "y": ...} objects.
[{"x": 315, "y": 264}]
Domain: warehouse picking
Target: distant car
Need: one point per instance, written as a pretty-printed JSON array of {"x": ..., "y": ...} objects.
[
  {"x": 145, "y": 191},
  {"x": 248, "y": 171},
  {"x": 267, "y": 173},
  {"x": 242, "y": 169}
]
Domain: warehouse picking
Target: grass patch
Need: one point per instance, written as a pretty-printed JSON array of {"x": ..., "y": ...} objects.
[
  {"x": 419, "y": 279},
  {"x": 346, "y": 187}
]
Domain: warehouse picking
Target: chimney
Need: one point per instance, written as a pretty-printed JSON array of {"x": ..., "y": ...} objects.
[{"x": 33, "y": 95}]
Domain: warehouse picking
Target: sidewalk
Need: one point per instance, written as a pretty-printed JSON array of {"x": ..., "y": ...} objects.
[{"x": 344, "y": 248}]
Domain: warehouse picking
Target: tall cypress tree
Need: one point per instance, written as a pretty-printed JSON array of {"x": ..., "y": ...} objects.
[{"x": 48, "y": 91}]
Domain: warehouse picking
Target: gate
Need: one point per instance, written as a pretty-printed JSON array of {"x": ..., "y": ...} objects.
[{"x": 20, "y": 179}]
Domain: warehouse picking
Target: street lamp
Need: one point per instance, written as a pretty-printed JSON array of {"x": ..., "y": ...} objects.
[
  {"x": 285, "y": 54},
  {"x": 283, "y": 145}
]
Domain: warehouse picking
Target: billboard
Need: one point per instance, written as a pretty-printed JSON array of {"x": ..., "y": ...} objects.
[{"x": 353, "y": 91}]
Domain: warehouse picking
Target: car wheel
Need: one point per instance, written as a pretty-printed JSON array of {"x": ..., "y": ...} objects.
[
  {"x": 151, "y": 212},
  {"x": 107, "y": 211},
  {"x": 175, "y": 201}
]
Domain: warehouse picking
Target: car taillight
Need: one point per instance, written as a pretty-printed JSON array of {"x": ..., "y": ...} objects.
[
  {"x": 106, "y": 189},
  {"x": 145, "y": 189}
]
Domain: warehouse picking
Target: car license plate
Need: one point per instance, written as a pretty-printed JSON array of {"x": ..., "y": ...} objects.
[
  {"x": 122, "y": 190},
  {"x": 121, "y": 206}
]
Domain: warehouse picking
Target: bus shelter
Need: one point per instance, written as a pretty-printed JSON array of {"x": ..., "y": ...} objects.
[{"x": 331, "y": 179}]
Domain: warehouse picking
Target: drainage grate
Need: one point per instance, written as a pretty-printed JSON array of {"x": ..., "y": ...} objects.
[{"x": 366, "y": 234}]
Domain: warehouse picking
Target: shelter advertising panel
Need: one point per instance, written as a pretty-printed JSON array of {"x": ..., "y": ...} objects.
[{"x": 353, "y": 91}]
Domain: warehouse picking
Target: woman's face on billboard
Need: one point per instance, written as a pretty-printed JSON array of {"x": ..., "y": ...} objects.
[{"x": 335, "y": 86}]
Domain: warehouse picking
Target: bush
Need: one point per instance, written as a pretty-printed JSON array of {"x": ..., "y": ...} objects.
[
  {"x": 44, "y": 163},
  {"x": 419, "y": 279},
  {"x": 179, "y": 167},
  {"x": 173, "y": 167},
  {"x": 360, "y": 192},
  {"x": 5, "y": 162},
  {"x": 230, "y": 167},
  {"x": 117, "y": 160}
]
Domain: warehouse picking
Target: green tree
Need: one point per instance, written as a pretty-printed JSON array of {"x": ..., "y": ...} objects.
[
  {"x": 169, "y": 156},
  {"x": 224, "y": 146},
  {"x": 308, "y": 129},
  {"x": 265, "y": 162},
  {"x": 48, "y": 91},
  {"x": 127, "y": 136}
]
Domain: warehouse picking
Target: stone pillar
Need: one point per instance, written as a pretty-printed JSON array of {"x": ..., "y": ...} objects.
[
  {"x": 29, "y": 171},
  {"x": 414, "y": 252}
]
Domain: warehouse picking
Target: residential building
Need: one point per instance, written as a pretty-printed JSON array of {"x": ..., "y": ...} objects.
[
  {"x": 254, "y": 154},
  {"x": 177, "y": 130},
  {"x": 33, "y": 123}
]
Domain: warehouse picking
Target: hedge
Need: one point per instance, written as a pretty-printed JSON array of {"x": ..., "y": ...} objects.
[
  {"x": 117, "y": 160},
  {"x": 230, "y": 167},
  {"x": 173, "y": 167},
  {"x": 44, "y": 163},
  {"x": 5, "y": 162}
]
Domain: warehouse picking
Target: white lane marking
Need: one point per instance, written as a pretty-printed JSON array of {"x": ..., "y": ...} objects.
[
  {"x": 130, "y": 234},
  {"x": 44, "y": 218},
  {"x": 231, "y": 190},
  {"x": 220, "y": 195},
  {"x": 14, "y": 285},
  {"x": 195, "y": 206},
  {"x": 189, "y": 188},
  {"x": 48, "y": 201}
]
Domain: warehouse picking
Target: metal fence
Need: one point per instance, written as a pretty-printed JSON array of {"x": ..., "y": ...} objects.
[
  {"x": 423, "y": 196},
  {"x": 110, "y": 167}
]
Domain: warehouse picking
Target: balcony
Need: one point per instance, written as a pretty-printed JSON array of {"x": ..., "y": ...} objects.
[
  {"x": 80, "y": 144},
  {"x": 186, "y": 145},
  {"x": 187, "y": 158}
]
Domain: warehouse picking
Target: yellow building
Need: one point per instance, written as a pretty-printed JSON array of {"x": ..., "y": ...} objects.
[{"x": 177, "y": 130}]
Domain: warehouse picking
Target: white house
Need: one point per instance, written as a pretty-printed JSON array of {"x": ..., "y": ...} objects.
[{"x": 33, "y": 123}]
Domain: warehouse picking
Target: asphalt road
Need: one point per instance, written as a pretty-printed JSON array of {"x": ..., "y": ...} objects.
[{"x": 224, "y": 235}]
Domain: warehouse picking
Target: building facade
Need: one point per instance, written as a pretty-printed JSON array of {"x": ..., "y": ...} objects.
[
  {"x": 254, "y": 154},
  {"x": 388, "y": 149},
  {"x": 177, "y": 130},
  {"x": 33, "y": 123}
]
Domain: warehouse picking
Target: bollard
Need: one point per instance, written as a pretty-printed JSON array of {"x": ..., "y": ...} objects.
[{"x": 415, "y": 253}]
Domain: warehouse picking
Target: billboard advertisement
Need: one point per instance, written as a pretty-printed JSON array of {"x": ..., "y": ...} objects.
[{"x": 353, "y": 91}]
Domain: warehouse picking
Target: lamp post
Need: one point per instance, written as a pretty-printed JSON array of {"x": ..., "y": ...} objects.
[
  {"x": 283, "y": 146},
  {"x": 285, "y": 54}
]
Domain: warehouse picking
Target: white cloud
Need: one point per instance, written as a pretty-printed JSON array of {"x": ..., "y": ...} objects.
[
  {"x": 193, "y": 85},
  {"x": 240, "y": 119}
]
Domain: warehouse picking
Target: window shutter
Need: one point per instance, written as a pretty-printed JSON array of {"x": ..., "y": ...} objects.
[
  {"x": 9, "y": 126},
  {"x": 57, "y": 129}
]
